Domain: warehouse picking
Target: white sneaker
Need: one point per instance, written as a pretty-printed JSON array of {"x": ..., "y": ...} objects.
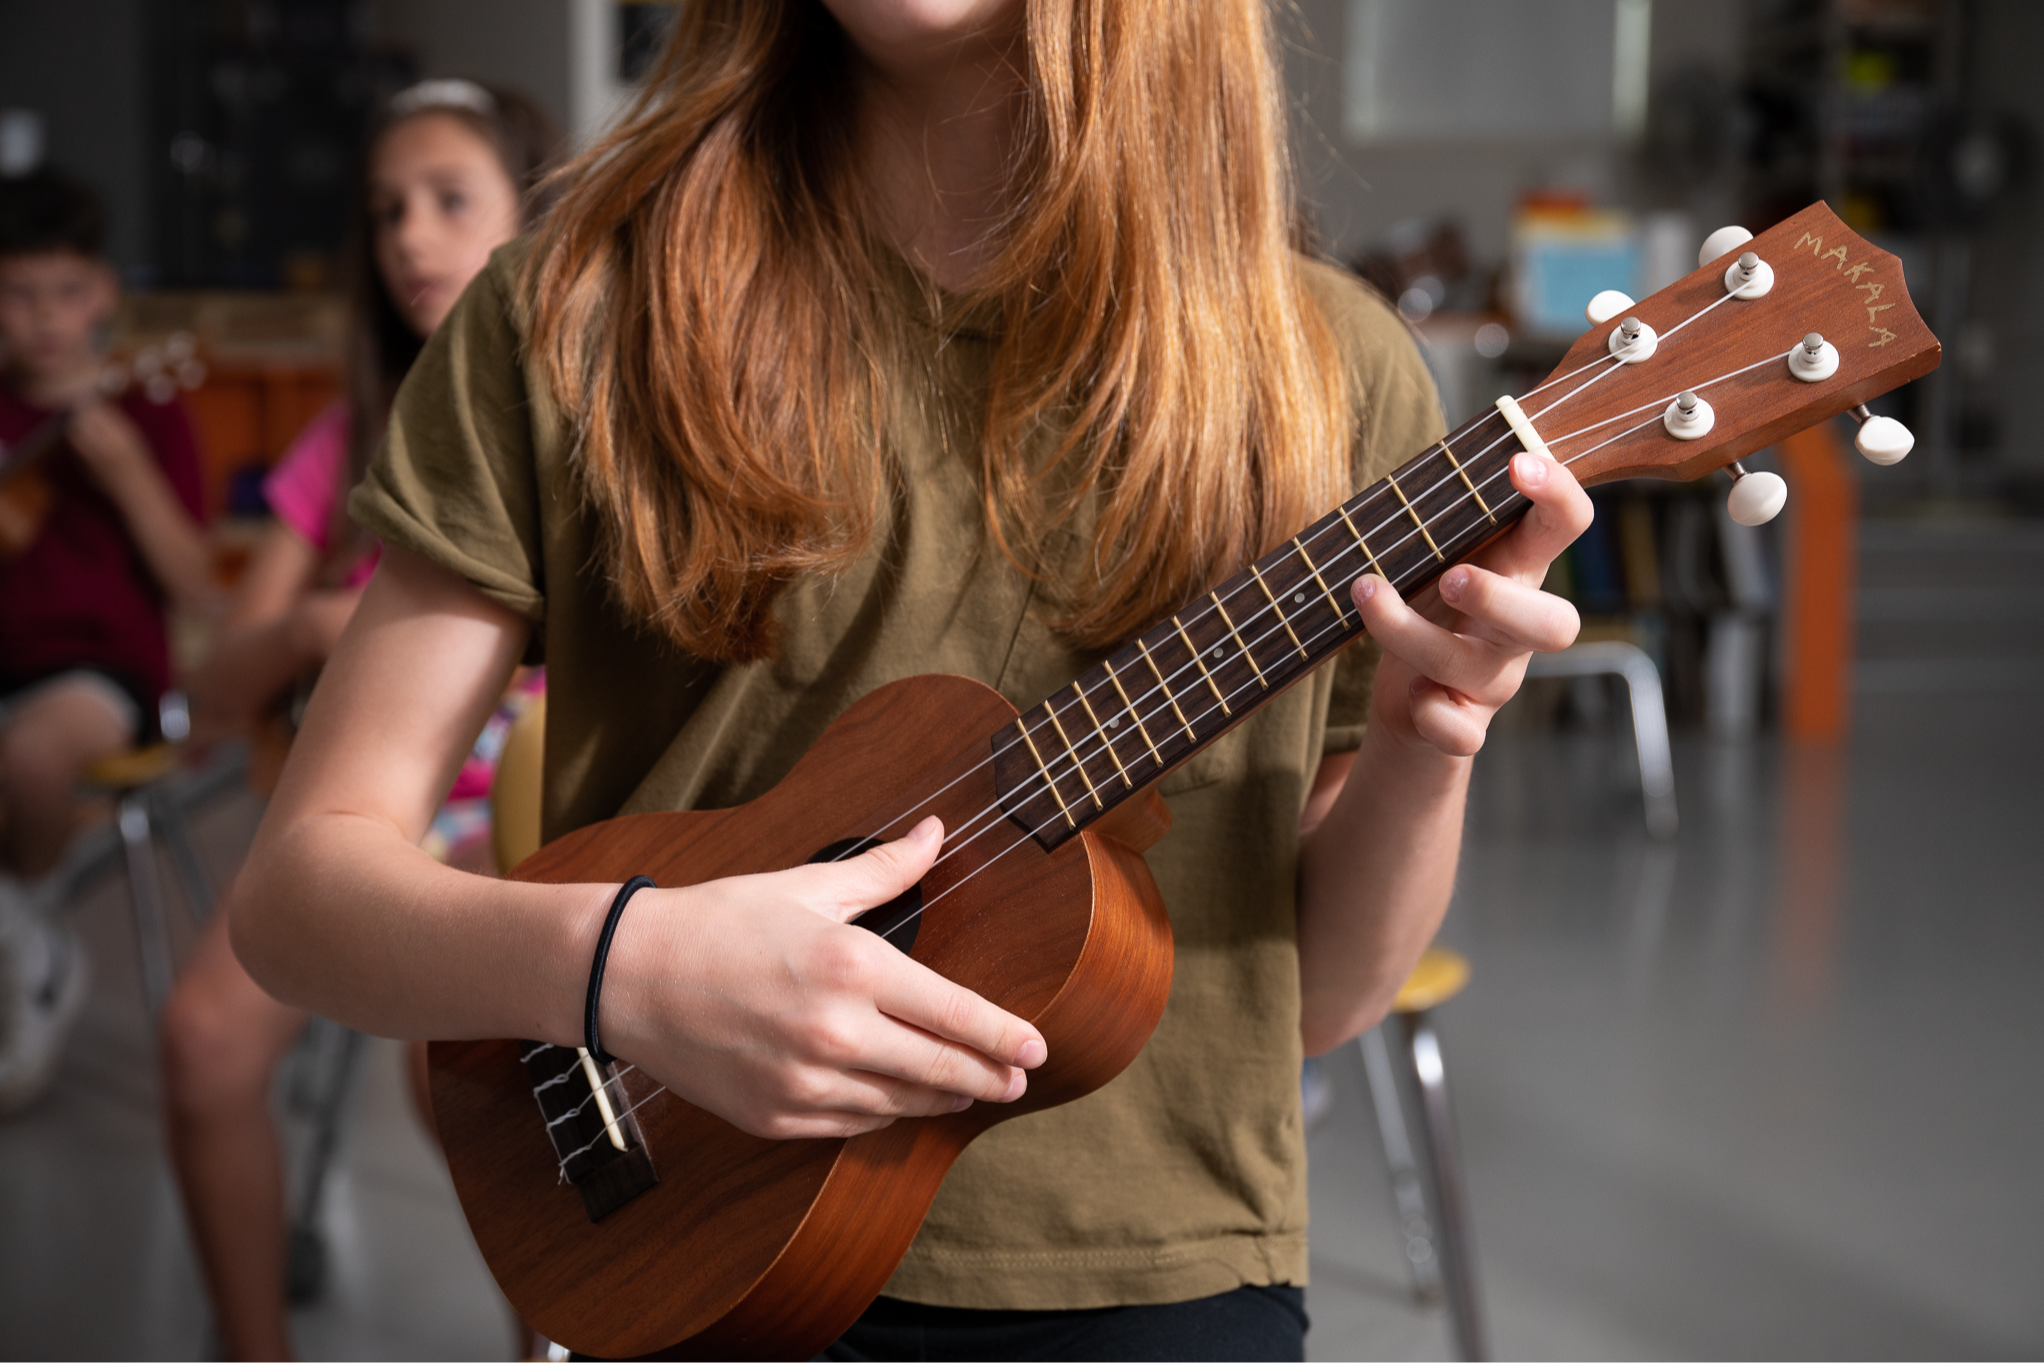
[{"x": 42, "y": 989}]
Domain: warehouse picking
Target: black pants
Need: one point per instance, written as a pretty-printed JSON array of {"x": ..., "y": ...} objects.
[{"x": 1248, "y": 1323}]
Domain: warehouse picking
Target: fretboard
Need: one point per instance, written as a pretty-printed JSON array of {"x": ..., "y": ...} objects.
[{"x": 1180, "y": 685}]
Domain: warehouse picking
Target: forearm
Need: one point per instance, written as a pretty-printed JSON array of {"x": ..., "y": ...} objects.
[
  {"x": 171, "y": 542},
  {"x": 253, "y": 665},
  {"x": 1374, "y": 881},
  {"x": 247, "y": 669},
  {"x": 340, "y": 914}
]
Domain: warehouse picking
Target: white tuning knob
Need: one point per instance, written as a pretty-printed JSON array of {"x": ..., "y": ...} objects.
[
  {"x": 1882, "y": 439},
  {"x": 1815, "y": 360},
  {"x": 1757, "y": 498},
  {"x": 1689, "y": 417},
  {"x": 1749, "y": 277},
  {"x": 1720, "y": 242},
  {"x": 1606, "y": 306},
  {"x": 1633, "y": 340}
]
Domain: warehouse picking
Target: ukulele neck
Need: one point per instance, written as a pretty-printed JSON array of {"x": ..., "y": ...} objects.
[{"x": 1173, "y": 690}]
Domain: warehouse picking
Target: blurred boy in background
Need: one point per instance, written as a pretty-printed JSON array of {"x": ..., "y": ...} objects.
[{"x": 99, "y": 533}]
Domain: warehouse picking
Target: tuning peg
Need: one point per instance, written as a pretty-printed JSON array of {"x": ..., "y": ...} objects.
[
  {"x": 1749, "y": 277},
  {"x": 1815, "y": 360},
  {"x": 1722, "y": 242},
  {"x": 1757, "y": 498},
  {"x": 1882, "y": 439},
  {"x": 1633, "y": 340},
  {"x": 1606, "y": 306},
  {"x": 1689, "y": 417}
]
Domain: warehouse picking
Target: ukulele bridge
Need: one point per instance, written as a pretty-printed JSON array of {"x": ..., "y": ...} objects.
[{"x": 597, "y": 1141}]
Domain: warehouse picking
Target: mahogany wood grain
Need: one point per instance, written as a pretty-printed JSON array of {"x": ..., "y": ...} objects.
[{"x": 772, "y": 1248}]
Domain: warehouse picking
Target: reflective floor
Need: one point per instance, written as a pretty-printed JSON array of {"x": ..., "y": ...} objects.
[{"x": 1772, "y": 1090}]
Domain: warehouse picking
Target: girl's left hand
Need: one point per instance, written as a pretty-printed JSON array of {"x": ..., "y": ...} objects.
[{"x": 1441, "y": 679}]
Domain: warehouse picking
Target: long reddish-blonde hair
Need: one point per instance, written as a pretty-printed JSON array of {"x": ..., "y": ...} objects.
[{"x": 709, "y": 311}]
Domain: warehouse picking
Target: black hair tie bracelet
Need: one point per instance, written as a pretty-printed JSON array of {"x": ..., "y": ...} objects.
[{"x": 617, "y": 911}]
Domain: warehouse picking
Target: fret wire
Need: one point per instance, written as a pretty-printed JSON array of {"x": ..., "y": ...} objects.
[
  {"x": 1464, "y": 475},
  {"x": 1325, "y": 591},
  {"x": 1073, "y": 753},
  {"x": 1419, "y": 523},
  {"x": 1172, "y": 700},
  {"x": 1403, "y": 500},
  {"x": 1363, "y": 544},
  {"x": 1193, "y": 649},
  {"x": 1130, "y": 706},
  {"x": 1055, "y": 793},
  {"x": 1261, "y": 680},
  {"x": 1282, "y": 619},
  {"x": 1106, "y": 740}
]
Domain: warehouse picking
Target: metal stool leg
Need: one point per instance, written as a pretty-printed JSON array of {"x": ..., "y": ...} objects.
[
  {"x": 1423, "y": 1052},
  {"x": 145, "y": 895},
  {"x": 1649, "y": 716},
  {"x": 184, "y": 854},
  {"x": 1414, "y": 1225},
  {"x": 337, "y": 1054}
]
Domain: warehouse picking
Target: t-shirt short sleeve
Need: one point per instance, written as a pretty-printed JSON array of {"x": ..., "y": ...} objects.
[
  {"x": 1398, "y": 414},
  {"x": 301, "y": 490},
  {"x": 455, "y": 480}
]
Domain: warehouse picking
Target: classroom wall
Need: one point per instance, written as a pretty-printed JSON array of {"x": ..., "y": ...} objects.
[
  {"x": 2005, "y": 352},
  {"x": 521, "y": 43},
  {"x": 1357, "y": 192},
  {"x": 80, "y": 64}
]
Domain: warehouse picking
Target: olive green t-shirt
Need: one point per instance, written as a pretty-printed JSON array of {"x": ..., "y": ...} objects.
[{"x": 1185, "y": 1176}]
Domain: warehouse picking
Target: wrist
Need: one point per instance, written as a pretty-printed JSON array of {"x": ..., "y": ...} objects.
[
  {"x": 1407, "y": 759},
  {"x": 627, "y": 1000}
]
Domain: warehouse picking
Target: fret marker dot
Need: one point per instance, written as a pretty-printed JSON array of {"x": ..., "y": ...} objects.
[
  {"x": 1114, "y": 722},
  {"x": 1299, "y": 598},
  {"x": 1220, "y": 652}
]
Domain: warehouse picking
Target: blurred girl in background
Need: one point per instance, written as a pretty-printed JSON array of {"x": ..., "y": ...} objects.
[{"x": 449, "y": 175}]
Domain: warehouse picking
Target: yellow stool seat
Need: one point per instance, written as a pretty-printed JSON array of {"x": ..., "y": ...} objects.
[
  {"x": 515, "y": 791},
  {"x": 1438, "y": 977},
  {"x": 133, "y": 768}
]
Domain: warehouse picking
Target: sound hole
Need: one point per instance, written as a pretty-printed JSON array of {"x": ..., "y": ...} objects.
[{"x": 906, "y": 907}]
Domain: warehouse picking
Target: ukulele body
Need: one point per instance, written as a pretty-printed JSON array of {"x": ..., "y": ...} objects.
[{"x": 748, "y": 1247}]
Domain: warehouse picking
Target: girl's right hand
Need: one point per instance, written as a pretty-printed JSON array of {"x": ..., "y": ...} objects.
[{"x": 752, "y": 998}]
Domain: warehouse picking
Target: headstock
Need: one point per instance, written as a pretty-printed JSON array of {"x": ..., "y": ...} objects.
[{"x": 1735, "y": 340}]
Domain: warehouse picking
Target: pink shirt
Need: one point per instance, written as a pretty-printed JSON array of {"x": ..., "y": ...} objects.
[{"x": 306, "y": 483}]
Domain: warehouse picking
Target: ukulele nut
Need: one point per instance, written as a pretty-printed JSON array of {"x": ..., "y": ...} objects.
[{"x": 1749, "y": 277}]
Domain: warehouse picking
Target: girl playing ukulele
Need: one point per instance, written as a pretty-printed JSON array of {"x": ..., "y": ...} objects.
[{"x": 887, "y": 337}]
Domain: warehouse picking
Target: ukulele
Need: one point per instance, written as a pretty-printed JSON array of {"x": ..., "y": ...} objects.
[
  {"x": 621, "y": 1220},
  {"x": 25, "y": 495}
]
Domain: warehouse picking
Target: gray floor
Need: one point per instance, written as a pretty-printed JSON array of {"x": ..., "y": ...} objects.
[{"x": 1774, "y": 1090}]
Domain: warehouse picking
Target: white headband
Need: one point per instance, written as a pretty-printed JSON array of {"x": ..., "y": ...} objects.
[{"x": 442, "y": 94}]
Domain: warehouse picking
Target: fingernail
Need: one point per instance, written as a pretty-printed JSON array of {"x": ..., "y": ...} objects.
[
  {"x": 1032, "y": 1054},
  {"x": 1016, "y": 1087},
  {"x": 960, "y": 1103},
  {"x": 926, "y": 829},
  {"x": 1453, "y": 582},
  {"x": 1366, "y": 586},
  {"x": 1532, "y": 469}
]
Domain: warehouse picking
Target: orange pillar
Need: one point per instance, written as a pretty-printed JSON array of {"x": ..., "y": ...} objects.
[{"x": 1818, "y": 599}]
